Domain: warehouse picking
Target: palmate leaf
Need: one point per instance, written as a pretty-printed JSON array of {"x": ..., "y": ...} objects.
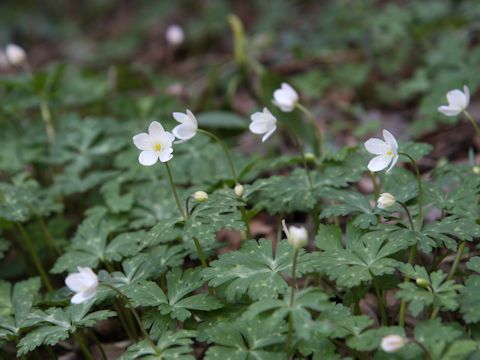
[
  {"x": 25, "y": 198},
  {"x": 469, "y": 299},
  {"x": 219, "y": 212},
  {"x": 440, "y": 292},
  {"x": 55, "y": 324},
  {"x": 179, "y": 301},
  {"x": 361, "y": 260},
  {"x": 172, "y": 345},
  {"x": 351, "y": 203},
  {"x": 68, "y": 183},
  {"x": 16, "y": 303},
  {"x": 247, "y": 340},
  {"x": 89, "y": 245},
  {"x": 370, "y": 339},
  {"x": 304, "y": 301},
  {"x": 149, "y": 264},
  {"x": 255, "y": 270}
]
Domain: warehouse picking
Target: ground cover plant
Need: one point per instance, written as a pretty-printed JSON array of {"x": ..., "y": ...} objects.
[{"x": 239, "y": 180}]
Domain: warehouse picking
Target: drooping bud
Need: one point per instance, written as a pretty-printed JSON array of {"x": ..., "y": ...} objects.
[
  {"x": 392, "y": 343},
  {"x": 310, "y": 157},
  {"x": 200, "y": 196},
  {"x": 239, "y": 190},
  {"x": 15, "y": 54},
  {"x": 385, "y": 201},
  {"x": 297, "y": 237},
  {"x": 422, "y": 282}
]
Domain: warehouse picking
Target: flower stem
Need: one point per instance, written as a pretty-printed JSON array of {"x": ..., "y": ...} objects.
[
  {"x": 304, "y": 160},
  {"x": 403, "y": 304},
  {"x": 99, "y": 345},
  {"x": 137, "y": 318},
  {"x": 376, "y": 189},
  {"x": 381, "y": 303},
  {"x": 420, "y": 190},
  {"x": 424, "y": 349},
  {"x": 451, "y": 274},
  {"x": 472, "y": 120},
  {"x": 292, "y": 301},
  {"x": 410, "y": 220},
  {"x": 35, "y": 258},
  {"x": 318, "y": 129},
  {"x": 174, "y": 190},
  {"x": 225, "y": 150},
  {"x": 81, "y": 343},
  {"x": 48, "y": 236},
  {"x": 200, "y": 253},
  {"x": 47, "y": 118}
]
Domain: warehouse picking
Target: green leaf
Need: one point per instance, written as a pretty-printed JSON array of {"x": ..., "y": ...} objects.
[
  {"x": 306, "y": 300},
  {"x": 88, "y": 246},
  {"x": 329, "y": 238},
  {"x": 55, "y": 324},
  {"x": 439, "y": 292},
  {"x": 371, "y": 339},
  {"x": 255, "y": 269},
  {"x": 178, "y": 302},
  {"x": 469, "y": 299},
  {"x": 360, "y": 261},
  {"x": 172, "y": 345},
  {"x": 246, "y": 340},
  {"x": 219, "y": 212}
]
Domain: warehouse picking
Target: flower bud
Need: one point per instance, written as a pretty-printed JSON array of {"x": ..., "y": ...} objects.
[
  {"x": 200, "y": 196},
  {"x": 175, "y": 35},
  {"x": 15, "y": 54},
  {"x": 310, "y": 157},
  {"x": 385, "y": 201},
  {"x": 392, "y": 343},
  {"x": 297, "y": 237},
  {"x": 239, "y": 190},
  {"x": 422, "y": 282},
  {"x": 476, "y": 169}
]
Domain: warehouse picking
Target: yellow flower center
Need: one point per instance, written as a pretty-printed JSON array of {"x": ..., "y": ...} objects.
[
  {"x": 157, "y": 147},
  {"x": 389, "y": 152}
]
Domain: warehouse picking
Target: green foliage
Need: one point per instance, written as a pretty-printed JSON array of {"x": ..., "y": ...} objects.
[
  {"x": 255, "y": 270},
  {"x": 172, "y": 345},
  {"x": 178, "y": 302},
  {"x": 438, "y": 291}
]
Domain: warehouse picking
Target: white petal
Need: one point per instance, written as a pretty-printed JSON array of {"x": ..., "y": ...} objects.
[
  {"x": 292, "y": 94},
  {"x": 394, "y": 161},
  {"x": 269, "y": 133},
  {"x": 180, "y": 117},
  {"x": 283, "y": 107},
  {"x": 184, "y": 131},
  {"x": 81, "y": 297},
  {"x": 448, "y": 111},
  {"x": 379, "y": 163},
  {"x": 166, "y": 155},
  {"x": 390, "y": 140},
  {"x": 143, "y": 141},
  {"x": 148, "y": 157},
  {"x": 456, "y": 99},
  {"x": 258, "y": 127},
  {"x": 376, "y": 146},
  {"x": 75, "y": 282},
  {"x": 192, "y": 117},
  {"x": 155, "y": 129}
]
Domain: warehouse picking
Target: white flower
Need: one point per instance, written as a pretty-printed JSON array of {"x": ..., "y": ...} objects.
[
  {"x": 15, "y": 54},
  {"x": 263, "y": 123},
  {"x": 187, "y": 128},
  {"x": 297, "y": 237},
  {"x": 457, "y": 102},
  {"x": 84, "y": 283},
  {"x": 239, "y": 190},
  {"x": 175, "y": 35},
  {"x": 385, "y": 201},
  {"x": 392, "y": 343},
  {"x": 386, "y": 151},
  {"x": 157, "y": 144},
  {"x": 200, "y": 196},
  {"x": 285, "y": 98}
]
